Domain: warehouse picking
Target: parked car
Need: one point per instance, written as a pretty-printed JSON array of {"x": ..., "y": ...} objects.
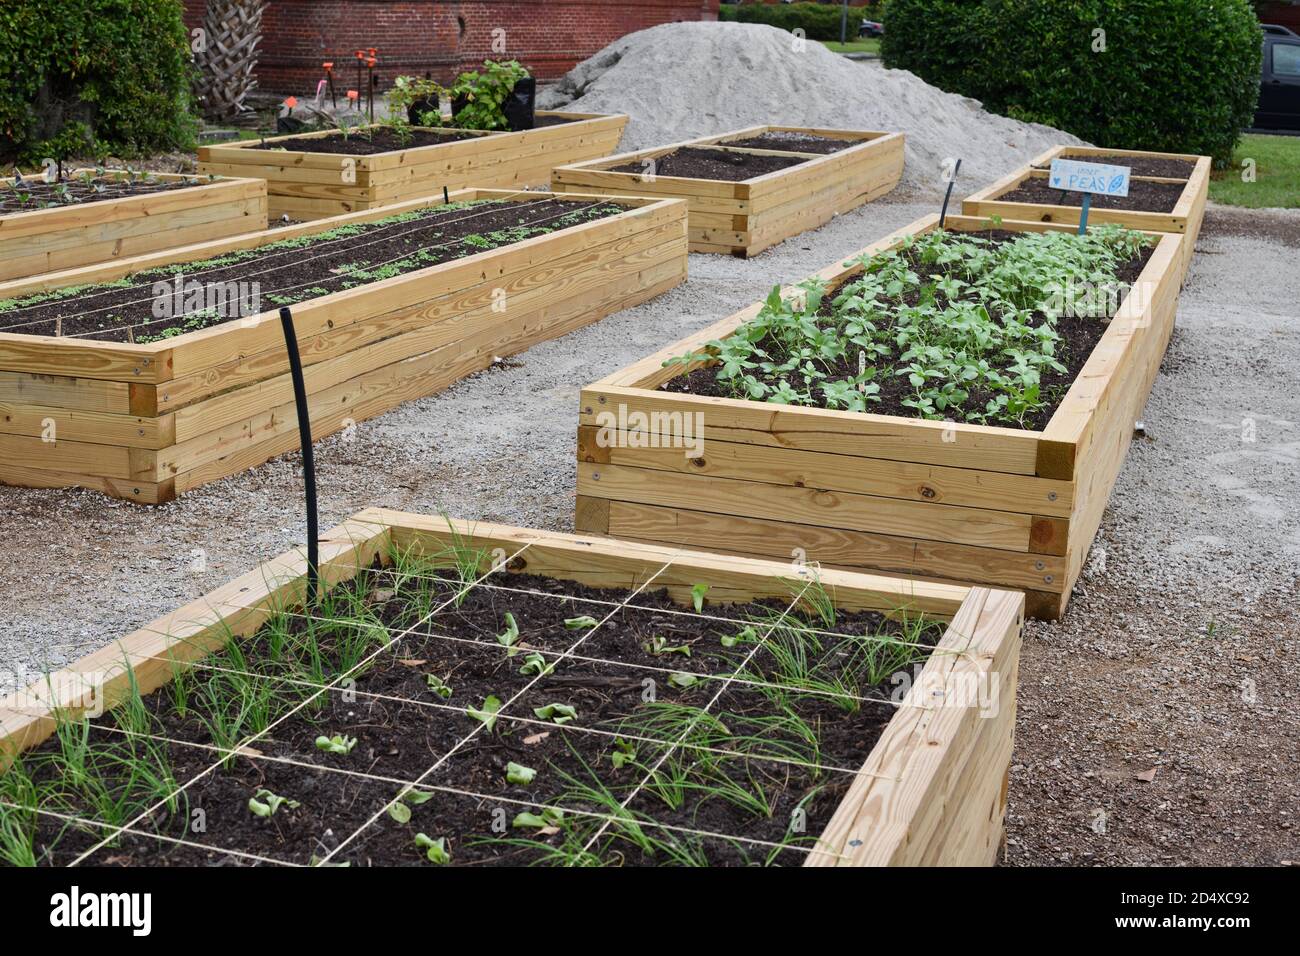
[
  {"x": 871, "y": 28},
  {"x": 1279, "y": 82}
]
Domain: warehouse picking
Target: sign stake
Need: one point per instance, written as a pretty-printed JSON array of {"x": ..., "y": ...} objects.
[
  {"x": 947, "y": 197},
  {"x": 1083, "y": 217},
  {"x": 308, "y": 461}
]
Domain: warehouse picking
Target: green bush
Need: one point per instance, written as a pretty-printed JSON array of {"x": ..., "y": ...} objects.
[
  {"x": 1174, "y": 75},
  {"x": 818, "y": 21},
  {"x": 93, "y": 77}
]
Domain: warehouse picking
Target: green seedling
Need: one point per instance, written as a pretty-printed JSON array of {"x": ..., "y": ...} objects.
[
  {"x": 747, "y": 635},
  {"x": 697, "y": 596},
  {"x": 434, "y": 850},
  {"x": 580, "y": 623},
  {"x": 511, "y": 635},
  {"x": 400, "y": 809},
  {"x": 438, "y": 685},
  {"x": 548, "y": 818},
  {"x": 518, "y": 773},
  {"x": 556, "y": 713},
  {"x": 535, "y": 664},
  {"x": 267, "y": 804},
  {"x": 338, "y": 744},
  {"x": 487, "y": 714},
  {"x": 659, "y": 645},
  {"x": 682, "y": 680},
  {"x": 624, "y": 753}
]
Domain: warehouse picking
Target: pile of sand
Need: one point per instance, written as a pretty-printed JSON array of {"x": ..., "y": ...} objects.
[{"x": 682, "y": 80}]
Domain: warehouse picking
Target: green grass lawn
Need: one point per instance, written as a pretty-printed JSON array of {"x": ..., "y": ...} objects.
[
  {"x": 868, "y": 45},
  {"x": 1277, "y": 174}
]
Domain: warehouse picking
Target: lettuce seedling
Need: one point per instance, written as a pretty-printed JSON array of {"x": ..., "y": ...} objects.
[
  {"x": 487, "y": 714},
  {"x": 557, "y": 713},
  {"x": 578, "y": 623},
  {"x": 435, "y": 850},
  {"x": 748, "y": 635},
  {"x": 511, "y": 636},
  {"x": 518, "y": 773},
  {"x": 438, "y": 685},
  {"x": 659, "y": 645},
  {"x": 697, "y": 596},
  {"x": 265, "y": 803},
  {"x": 549, "y": 817},
  {"x": 338, "y": 744},
  {"x": 624, "y": 753},
  {"x": 400, "y": 809},
  {"x": 682, "y": 680},
  {"x": 536, "y": 664}
]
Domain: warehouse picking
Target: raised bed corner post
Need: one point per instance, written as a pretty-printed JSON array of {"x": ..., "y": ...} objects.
[
  {"x": 308, "y": 460},
  {"x": 947, "y": 197}
]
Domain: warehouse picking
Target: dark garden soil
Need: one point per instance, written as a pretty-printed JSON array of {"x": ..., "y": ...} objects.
[
  {"x": 541, "y": 122},
  {"x": 1141, "y": 165},
  {"x": 291, "y": 271},
  {"x": 404, "y": 729},
  {"x": 1142, "y": 196},
  {"x": 1079, "y": 336},
  {"x": 366, "y": 142},
  {"x": 691, "y": 162},
  {"x": 794, "y": 143},
  {"x": 35, "y": 194}
]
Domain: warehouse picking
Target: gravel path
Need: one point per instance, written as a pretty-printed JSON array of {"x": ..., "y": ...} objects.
[{"x": 1179, "y": 653}]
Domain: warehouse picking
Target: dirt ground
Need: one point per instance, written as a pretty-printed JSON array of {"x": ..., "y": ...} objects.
[{"x": 1178, "y": 655}]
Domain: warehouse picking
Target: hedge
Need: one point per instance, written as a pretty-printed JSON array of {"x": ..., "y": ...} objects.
[
  {"x": 818, "y": 21},
  {"x": 89, "y": 77},
  {"x": 1174, "y": 75}
]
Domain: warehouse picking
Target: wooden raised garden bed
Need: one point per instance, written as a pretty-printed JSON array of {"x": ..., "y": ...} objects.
[
  {"x": 465, "y": 669},
  {"x": 311, "y": 185},
  {"x": 161, "y": 211},
  {"x": 823, "y": 172},
  {"x": 151, "y": 410},
  {"x": 1168, "y": 192},
  {"x": 958, "y": 501}
]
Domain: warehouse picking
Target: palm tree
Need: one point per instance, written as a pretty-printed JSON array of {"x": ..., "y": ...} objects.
[{"x": 232, "y": 31}]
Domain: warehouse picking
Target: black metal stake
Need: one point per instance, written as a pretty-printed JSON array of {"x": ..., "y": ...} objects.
[
  {"x": 943, "y": 214},
  {"x": 445, "y": 198},
  {"x": 308, "y": 461}
]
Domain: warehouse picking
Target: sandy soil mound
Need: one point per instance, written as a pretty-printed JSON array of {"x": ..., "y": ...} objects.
[{"x": 682, "y": 80}]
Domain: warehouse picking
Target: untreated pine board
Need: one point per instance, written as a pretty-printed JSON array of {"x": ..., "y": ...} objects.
[
  {"x": 942, "y": 757},
  {"x": 744, "y": 218},
  {"x": 310, "y": 185},
  {"x": 63, "y": 237},
  {"x": 947, "y": 501},
  {"x": 211, "y": 403}
]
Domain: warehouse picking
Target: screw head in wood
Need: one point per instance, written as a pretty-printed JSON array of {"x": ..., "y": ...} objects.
[
  {"x": 1051, "y": 496},
  {"x": 1047, "y": 578},
  {"x": 1039, "y": 565}
]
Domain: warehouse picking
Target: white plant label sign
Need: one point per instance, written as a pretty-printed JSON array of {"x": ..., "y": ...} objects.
[{"x": 1097, "y": 179}]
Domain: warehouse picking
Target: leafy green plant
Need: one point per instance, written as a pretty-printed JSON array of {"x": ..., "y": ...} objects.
[
  {"x": 400, "y": 809},
  {"x": 518, "y": 773},
  {"x": 967, "y": 324},
  {"x": 435, "y": 851},
  {"x": 536, "y": 665},
  {"x": 338, "y": 744},
  {"x": 267, "y": 804},
  {"x": 556, "y": 713},
  {"x": 697, "y": 596},
  {"x": 549, "y": 817},
  {"x": 510, "y": 637},
  {"x": 487, "y": 714},
  {"x": 483, "y": 94},
  {"x": 580, "y": 623},
  {"x": 659, "y": 645},
  {"x": 438, "y": 685}
]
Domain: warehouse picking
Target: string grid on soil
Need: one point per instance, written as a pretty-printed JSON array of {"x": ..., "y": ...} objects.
[
  {"x": 711, "y": 162},
  {"x": 540, "y": 722},
  {"x": 288, "y": 271},
  {"x": 34, "y": 194}
]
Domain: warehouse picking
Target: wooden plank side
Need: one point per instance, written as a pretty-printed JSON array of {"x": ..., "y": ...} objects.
[
  {"x": 830, "y": 547},
  {"x": 910, "y": 782}
]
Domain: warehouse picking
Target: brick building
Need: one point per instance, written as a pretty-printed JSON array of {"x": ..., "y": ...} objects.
[{"x": 444, "y": 36}]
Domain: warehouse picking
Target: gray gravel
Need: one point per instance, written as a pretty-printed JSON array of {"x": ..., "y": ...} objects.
[{"x": 1179, "y": 653}]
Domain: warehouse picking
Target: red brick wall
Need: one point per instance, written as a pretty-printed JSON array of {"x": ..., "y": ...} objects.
[
  {"x": 444, "y": 36},
  {"x": 1283, "y": 14}
]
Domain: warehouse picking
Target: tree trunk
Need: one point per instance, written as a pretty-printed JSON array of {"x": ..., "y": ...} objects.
[{"x": 232, "y": 32}]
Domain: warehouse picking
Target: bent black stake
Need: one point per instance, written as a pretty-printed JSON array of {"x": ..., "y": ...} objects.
[
  {"x": 952, "y": 181},
  {"x": 308, "y": 461}
]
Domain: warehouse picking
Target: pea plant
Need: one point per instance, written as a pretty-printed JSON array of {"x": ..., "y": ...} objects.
[{"x": 970, "y": 323}]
